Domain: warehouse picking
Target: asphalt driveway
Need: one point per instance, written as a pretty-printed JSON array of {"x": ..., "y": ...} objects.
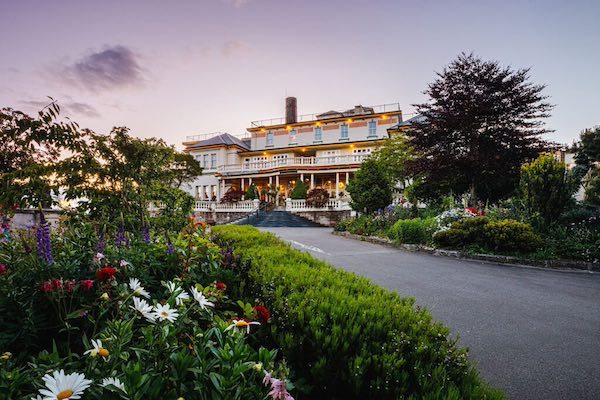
[{"x": 533, "y": 333}]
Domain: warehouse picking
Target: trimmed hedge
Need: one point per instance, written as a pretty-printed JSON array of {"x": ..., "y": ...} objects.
[
  {"x": 348, "y": 337},
  {"x": 413, "y": 231}
]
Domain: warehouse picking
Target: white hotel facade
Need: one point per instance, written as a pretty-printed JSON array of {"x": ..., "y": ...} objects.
[{"x": 324, "y": 150}]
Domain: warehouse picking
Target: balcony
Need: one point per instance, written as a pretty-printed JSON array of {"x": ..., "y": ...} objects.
[{"x": 258, "y": 166}]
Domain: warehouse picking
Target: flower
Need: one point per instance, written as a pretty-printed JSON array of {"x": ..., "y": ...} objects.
[
  {"x": 98, "y": 257},
  {"x": 240, "y": 324},
  {"x": 113, "y": 381},
  {"x": 44, "y": 243},
  {"x": 201, "y": 299},
  {"x": 56, "y": 284},
  {"x": 106, "y": 273},
  {"x": 70, "y": 285},
  {"x": 98, "y": 350},
  {"x": 87, "y": 284},
  {"x": 165, "y": 313},
  {"x": 105, "y": 296},
  {"x": 262, "y": 313},
  {"x": 257, "y": 367},
  {"x": 221, "y": 286},
  {"x": 124, "y": 264},
  {"x": 7, "y": 355},
  {"x": 46, "y": 287},
  {"x": 142, "y": 306},
  {"x": 3, "y": 269},
  {"x": 180, "y": 294},
  {"x": 278, "y": 387},
  {"x": 138, "y": 289},
  {"x": 60, "y": 386}
]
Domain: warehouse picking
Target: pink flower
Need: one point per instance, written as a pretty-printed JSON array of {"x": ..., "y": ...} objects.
[
  {"x": 123, "y": 264},
  {"x": 3, "y": 269},
  {"x": 57, "y": 284},
  {"x": 98, "y": 257},
  {"x": 87, "y": 284}
]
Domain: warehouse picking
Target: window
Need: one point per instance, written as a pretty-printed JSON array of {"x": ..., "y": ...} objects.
[
  {"x": 366, "y": 150},
  {"x": 344, "y": 132},
  {"x": 293, "y": 136},
  {"x": 213, "y": 161},
  {"x": 205, "y": 161},
  {"x": 372, "y": 128},
  {"x": 269, "y": 138},
  {"x": 318, "y": 134}
]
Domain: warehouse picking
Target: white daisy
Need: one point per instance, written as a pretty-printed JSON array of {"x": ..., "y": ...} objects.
[
  {"x": 98, "y": 350},
  {"x": 165, "y": 312},
  {"x": 60, "y": 386},
  {"x": 241, "y": 324},
  {"x": 137, "y": 288},
  {"x": 142, "y": 306},
  {"x": 180, "y": 294},
  {"x": 201, "y": 299},
  {"x": 115, "y": 382}
]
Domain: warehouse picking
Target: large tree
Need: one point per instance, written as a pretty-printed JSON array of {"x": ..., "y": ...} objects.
[
  {"x": 481, "y": 123},
  {"x": 370, "y": 189},
  {"x": 587, "y": 163}
]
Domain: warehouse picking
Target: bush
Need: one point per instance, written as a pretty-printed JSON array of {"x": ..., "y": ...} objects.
[
  {"x": 347, "y": 336},
  {"x": 252, "y": 192},
  {"x": 451, "y": 238},
  {"x": 233, "y": 195},
  {"x": 509, "y": 235},
  {"x": 299, "y": 191},
  {"x": 370, "y": 189},
  {"x": 413, "y": 231},
  {"x": 317, "y": 198}
]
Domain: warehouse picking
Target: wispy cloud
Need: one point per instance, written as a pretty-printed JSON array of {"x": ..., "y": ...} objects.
[
  {"x": 234, "y": 47},
  {"x": 111, "y": 68},
  {"x": 69, "y": 108}
]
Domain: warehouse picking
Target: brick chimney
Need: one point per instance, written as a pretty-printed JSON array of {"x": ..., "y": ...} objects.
[{"x": 291, "y": 110}]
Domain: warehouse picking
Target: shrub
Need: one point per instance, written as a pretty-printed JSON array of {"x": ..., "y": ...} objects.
[
  {"x": 370, "y": 189},
  {"x": 347, "y": 336},
  {"x": 413, "y": 231},
  {"x": 233, "y": 195},
  {"x": 252, "y": 192},
  {"x": 509, "y": 235},
  {"x": 299, "y": 191},
  {"x": 450, "y": 238},
  {"x": 317, "y": 198}
]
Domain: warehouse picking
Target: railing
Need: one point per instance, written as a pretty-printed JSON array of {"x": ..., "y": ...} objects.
[
  {"x": 240, "y": 206},
  {"x": 293, "y": 162},
  {"x": 204, "y": 136},
  {"x": 381, "y": 108},
  {"x": 332, "y": 205}
]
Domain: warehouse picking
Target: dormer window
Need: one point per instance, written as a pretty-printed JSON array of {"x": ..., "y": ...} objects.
[
  {"x": 344, "y": 132},
  {"x": 293, "y": 136},
  {"x": 269, "y": 138},
  {"x": 372, "y": 128}
]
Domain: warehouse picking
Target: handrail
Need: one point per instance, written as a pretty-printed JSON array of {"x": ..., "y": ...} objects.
[{"x": 294, "y": 162}]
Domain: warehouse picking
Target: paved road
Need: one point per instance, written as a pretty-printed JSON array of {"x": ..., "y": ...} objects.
[{"x": 533, "y": 333}]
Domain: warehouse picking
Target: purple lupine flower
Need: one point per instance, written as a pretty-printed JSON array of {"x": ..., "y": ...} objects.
[
  {"x": 101, "y": 245},
  {"x": 170, "y": 248},
  {"x": 44, "y": 245},
  {"x": 121, "y": 239},
  {"x": 145, "y": 234}
]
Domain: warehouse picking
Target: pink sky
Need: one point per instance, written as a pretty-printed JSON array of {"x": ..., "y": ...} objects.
[{"x": 177, "y": 68}]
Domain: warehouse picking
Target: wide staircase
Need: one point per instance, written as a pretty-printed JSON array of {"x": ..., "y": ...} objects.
[{"x": 285, "y": 219}]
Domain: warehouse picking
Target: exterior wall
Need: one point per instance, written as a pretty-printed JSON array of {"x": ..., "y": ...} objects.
[
  {"x": 25, "y": 219},
  {"x": 326, "y": 218}
]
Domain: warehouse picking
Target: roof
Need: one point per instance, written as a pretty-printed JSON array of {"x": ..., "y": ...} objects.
[
  {"x": 417, "y": 118},
  {"x": 223, "y": 139}
]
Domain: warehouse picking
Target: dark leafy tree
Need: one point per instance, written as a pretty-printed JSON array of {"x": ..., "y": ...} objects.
[
  {"x": 317, "y": 197},
  {"x": 393, "y": 155},
  {"x": 481, "y": 123},
  {"x": 252, "y": 192},
  {"x": 587, "y": 164},
  {"x": 31, "y": 152},
  {"x": 370, "y": 189},
  {"x": 547, "y": 186},
  {"x": 233, "y": 195}
]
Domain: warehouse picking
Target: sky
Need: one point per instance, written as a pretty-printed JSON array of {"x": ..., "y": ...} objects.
[{"x": 171, "y": 69}]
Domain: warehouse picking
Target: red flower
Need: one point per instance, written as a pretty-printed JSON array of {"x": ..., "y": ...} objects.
[
  {"x": 46, "y": 287},
  {"x": 56, "y": 284},
  {"x": 106, "y": 273},
  {"x": 3, "y": 269},
  {"x": 262, "y": 313},
  {"x": 87, "y": 284},
  {"x": 70, "y": 285},
  {"x": 221, "y": 286}
]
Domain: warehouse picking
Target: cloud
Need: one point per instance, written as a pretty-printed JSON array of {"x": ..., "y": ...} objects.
[
  {"x": 111, "y": 68},
  {"x": 233, "y": 47},
  {"x": 237, "y": 3},
  {"x": 68, "y": 108}
]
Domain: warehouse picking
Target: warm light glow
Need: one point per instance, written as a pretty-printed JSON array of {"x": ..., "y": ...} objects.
[
  {"x": 303, "y": 150},
  {"x": 289, "y": 128},
  {"x": 341, "y": 185},
  {"x": 265, "y": 153},
  {"x": 351, "y": 146},
  {"x": 318, "y": 124},
  {"x": 349, "y": 120},
  {"x": 263, "y": 130},
  {"x": 384, "y": 117}
]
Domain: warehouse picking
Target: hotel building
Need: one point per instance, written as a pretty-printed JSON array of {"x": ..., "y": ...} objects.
[{"x": 323, "y": 150}]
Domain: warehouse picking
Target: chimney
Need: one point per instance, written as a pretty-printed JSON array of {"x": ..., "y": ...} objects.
[{"x": 291, "y": 110}]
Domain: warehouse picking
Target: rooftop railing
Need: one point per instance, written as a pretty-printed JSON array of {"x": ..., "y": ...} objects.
[
  {"x": 381, "y": 108},
  {"x": 205, "y": 136}
]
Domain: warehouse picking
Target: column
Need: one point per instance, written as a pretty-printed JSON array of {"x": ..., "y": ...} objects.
[
  {"x": 222, "y": 188},
  {"x": 302, "y": 177},
  {"x": 312, "y": 181},
  {"x": 249, "y": 181},
  {"x": 218, "y": 190},
  {"x": 242, "y": 185},
  {"x": 347, "y": 178},
  {"x": 277, "y": 189},
  {"x": 337, "y": 185}
]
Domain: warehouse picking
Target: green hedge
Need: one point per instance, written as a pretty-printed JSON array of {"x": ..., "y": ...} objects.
[
  {"x": 413, "y": 231},
  {"x": 348, "y": 337}
]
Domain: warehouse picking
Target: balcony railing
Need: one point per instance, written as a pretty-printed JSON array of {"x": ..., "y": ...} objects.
[
  {"x": 294, "y": 205},
  {"x": 205, "y": 136},
  {"x": 257, "y": 166},
  {"x": 240, "y": 206},
  {"x": 381, "y": 108}
]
